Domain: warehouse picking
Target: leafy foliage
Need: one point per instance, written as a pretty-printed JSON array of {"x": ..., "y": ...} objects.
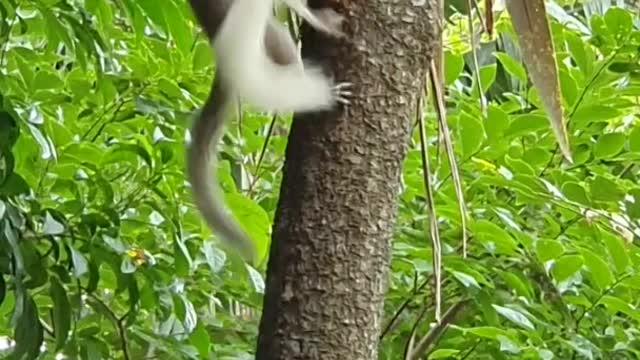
[
  {"x": 102, "y": 254},
  {"x": 553, "y": 271}
]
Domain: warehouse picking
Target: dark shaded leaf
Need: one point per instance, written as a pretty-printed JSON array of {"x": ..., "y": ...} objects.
[
  {"x": 28, "y": 334},
  {"x": 61, "y": 312}
]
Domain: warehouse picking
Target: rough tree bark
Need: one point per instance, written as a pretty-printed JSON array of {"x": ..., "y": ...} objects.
[{"x": 329, "y": 259}]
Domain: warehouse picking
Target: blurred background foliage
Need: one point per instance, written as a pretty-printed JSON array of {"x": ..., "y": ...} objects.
[{"x": 103, "y": 255}]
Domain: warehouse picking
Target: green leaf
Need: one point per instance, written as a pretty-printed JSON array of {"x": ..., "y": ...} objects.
[
  {"x": 581, "y": 154},
  {"x": 588, "y": 114},
  {"x": 622, "y": 67},
  {"x": 253, "y": 219},
  {"x": 576, "y": 47},
  {"x": 28, "y": 334},
  {"x": 189, "y": 318},
  {"x": 514, "y": 316},
  {"x": 487, "y": 77},
  {"x": 605, "y": 190},
  {"x": 183, "y": 261},
  {"x": 148, "y": 297},
  {"x": 42, "y": 140},
  {"x": 569, "y": 88},
  {"x": 61, "y": 312},
  {"x": 154, "y": 12},
  {"x": 200, "y": 339},
  {"x": 11, "y": 237},
  {"x": 633, "y": 204},
  {"x": 494, "y": 236},
  {"x": 453, "y": 66},
  {"x": 9, "y": 130},
  {"x": 512, "y": 66},
  {"x": 576, "y": 192},
  {"x": 7, "y": 164},
  {"x": 102, "y": 10},
  {"x": 82, "y": 153},
  {"x": 566, "y": 267},
  {"x": 609, "y": 145},
  {"x": 537, "y": 156},
  {"x": 617, "y": 305},
  {"x": 634, "y": 139},
  {"x": 170, "y": 88},
  {"x": 508, "y": 346},
  {"x": 633, "y": 282},
  {"x": 80, "y": 265},
  {"x": 516, "y": 283},
  {"x": 488, "y": 332},
  {"x": 600, "y": 272},
  {"x": 583, "y": 347},
  {"x": 215, "y": 257},
  {"x": 256, "y": 279},
  {"x": 127, "y": 266},
  {"x": 52, "y": 226},
  {"x": 466, "y": 279},
  {"x": 545, "y": 354},
  {"x": 518, "y": 166},
  {"x": 180, "y": 32},
  {"x": 526, "y": 124},
  {"x": 56, "y": 31},
  {"x": 202, "y": 56},
  {"x": 45, "y": 80},
  {"x": 3, "y": 289},
  {"x": 471, "y": 134},
  {"x": 94, "y": 276},
  {"x": 549, "y": 250},
  {"x": 496, "y": 124},
  {"x": 443, "y": 354},
  {"x": 617, "y": 250},
  {"x": 122, "y": 152},
  {"x": 14, "y": 185},
  {"x": 619, "y": 22}
]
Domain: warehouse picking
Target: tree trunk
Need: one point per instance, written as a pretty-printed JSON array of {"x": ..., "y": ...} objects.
[{"x": 329, "y": 260}]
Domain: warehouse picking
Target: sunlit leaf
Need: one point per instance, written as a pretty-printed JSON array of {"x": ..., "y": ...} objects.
[
  {"x": 453, "y": 65},
  {"x": 52, "y": 226},
  {"x": 488, "y": 332},
  {"x": 200, "y": 339},
  {"x": 549, "y": 249},
  {"x": 567, "y": 266},
  {"x": 634, "y": 139},
  {"x": 617, "y": 250},
  {"x": 598, "y": 268},
  {"x": 80, "y": 265},
  {"x": 603, "y": 189},
  {"x": 585, "y": 115},
  {"x": 471, "y": 134},
  {"x": 443, "y": 353},
  {"x": 609, "y": 145},
  {"x": 575, "y": 192}
]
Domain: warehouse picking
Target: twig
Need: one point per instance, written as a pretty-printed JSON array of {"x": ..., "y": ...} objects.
[{"x": 436, "y": 332}]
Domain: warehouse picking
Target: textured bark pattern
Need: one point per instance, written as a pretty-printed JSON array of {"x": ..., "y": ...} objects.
[{"x": 330, "y": 255}]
